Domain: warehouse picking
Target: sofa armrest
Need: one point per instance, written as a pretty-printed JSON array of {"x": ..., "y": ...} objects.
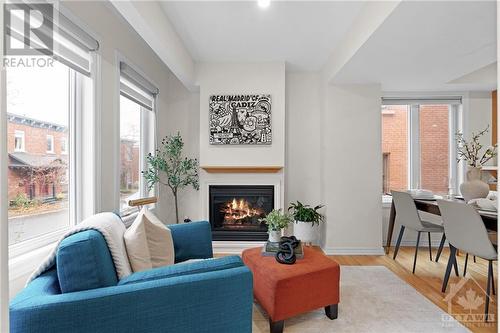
[
  {"x": 185, "y": 268},
  {"x": 192, "y": 240},
  {"x": 219, "y": 301}
]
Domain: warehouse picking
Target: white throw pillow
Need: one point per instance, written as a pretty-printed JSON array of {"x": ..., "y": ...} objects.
[{"x": 149, "y": 243}]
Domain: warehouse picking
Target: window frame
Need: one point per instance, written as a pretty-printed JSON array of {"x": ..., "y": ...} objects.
[
  {"x": 457, "y": 113},
  {"x": 20, "y": 134},
  {"x": 83, "y": 103},
  {"x": 147, "y": 130},
  {"x": 45, "y": 239}
]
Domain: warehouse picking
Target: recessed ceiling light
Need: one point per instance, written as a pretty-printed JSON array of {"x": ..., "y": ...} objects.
[{"x": 263, "y": 3}]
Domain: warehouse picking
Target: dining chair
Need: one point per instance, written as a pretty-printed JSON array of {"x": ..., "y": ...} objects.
[
  {"x": 407, "y": 215},
  {"x": 465, "y": 231},
  {"x": 494, "y": 240}
]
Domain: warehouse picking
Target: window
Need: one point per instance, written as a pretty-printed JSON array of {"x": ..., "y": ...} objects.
[
  {"x": 418, "y": 144},
  {"x": 395, "y": 145},
  {"x": 50, "y": 144},
  {"x": 137, "y": 134},
  {"x": 19, "y": 141},
  {"x": 64, "y": 146},
  {"x": 39, "y": 193},
  {"x": 46, "y": 102}
]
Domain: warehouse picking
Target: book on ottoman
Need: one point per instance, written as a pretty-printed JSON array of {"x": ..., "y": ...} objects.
[{"x": 271, "y": 248}]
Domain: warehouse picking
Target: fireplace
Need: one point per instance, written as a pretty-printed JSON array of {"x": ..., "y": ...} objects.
[{"x": 235, "y": 211}]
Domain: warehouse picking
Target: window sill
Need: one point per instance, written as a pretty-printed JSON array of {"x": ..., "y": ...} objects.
[
  {"x": 33, "y": 244},
  {"x": 22, "y": 266}
]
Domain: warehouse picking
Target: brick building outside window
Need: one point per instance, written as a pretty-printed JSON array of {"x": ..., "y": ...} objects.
[
  {"x": 431, "y": 142},
  {"x": 34, "y": 174}
]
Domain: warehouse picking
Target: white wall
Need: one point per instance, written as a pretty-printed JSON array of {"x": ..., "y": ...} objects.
[
  {"x": 479, "y": 114},
  {"x": 351, "y": 169},
  {"x": 265, "y": 78},
  {"x": 303, "y": 106}
]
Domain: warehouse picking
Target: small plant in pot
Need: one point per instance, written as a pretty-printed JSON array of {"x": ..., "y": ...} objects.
[
  {"x": 276, "y": 221},
  {"x": 307, "y": 221}
]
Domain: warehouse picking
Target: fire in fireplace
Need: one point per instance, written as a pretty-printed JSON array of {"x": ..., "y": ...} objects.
[
  {"x": 240, "y": 212},
  {"x": 235, "y": 211}
]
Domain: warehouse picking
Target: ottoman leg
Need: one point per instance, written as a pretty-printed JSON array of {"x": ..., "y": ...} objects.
[
  {"x": 332, "y": 311},
  {"x": 276, "y": 326}
]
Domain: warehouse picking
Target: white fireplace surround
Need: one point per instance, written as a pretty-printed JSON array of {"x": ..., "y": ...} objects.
[{"x": 276, "y": 180}]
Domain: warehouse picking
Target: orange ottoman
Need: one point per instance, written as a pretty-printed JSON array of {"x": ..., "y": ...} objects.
[{"x": 285, "y": 291}]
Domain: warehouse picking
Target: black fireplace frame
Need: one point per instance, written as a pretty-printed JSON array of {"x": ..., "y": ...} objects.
[{"x": 237, "y": 235}]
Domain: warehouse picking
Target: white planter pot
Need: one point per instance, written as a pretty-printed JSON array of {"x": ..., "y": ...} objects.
[
  {"x": 274, "y": 236},
  {"x": 305, "y": 231}
]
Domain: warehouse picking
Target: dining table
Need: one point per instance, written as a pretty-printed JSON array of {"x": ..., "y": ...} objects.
[{"x": 431, "y": 206}]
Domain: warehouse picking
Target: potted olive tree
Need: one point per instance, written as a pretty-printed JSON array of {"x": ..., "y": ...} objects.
[
  {"x": 168, "y": 166},
  {"x": 307, "y": 221},
  {"x": 276, "y": 221}
]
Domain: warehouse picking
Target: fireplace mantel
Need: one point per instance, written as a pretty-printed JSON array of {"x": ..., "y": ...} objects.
[{"x": 241, "y": 169}]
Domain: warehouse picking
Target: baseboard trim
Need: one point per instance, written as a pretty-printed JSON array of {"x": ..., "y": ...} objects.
[
  {"x": 356, "y": 251},
  {"x": 233, "y": 247},
  {"x": 434, "y": 242}
]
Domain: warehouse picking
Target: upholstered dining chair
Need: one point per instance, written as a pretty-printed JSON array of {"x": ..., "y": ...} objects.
[
  {"x": 465, "y": 231},
  {"x": 494, "y": 240},
  {"x": 408, "y": 217}
]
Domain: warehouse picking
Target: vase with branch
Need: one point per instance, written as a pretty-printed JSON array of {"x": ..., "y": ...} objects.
[
  {"x": 168, "y": 167},
  {"x": 475, "y": 155}
]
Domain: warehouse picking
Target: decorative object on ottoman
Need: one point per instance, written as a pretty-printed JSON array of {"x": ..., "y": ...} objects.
[
  {"x": 307, "y": 221},
  {"x": 286, "y": 253},
  {"x": 284, "y": 291},
  {"x": 168, "y": 167},
  {"x": 271, "y": 248},
  {"x": 276, "y": 221},
  {"x": 470, "y": 152}
]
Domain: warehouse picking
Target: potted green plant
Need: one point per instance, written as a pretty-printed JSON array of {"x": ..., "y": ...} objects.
[
  {"x": 169, "y": 168},
  {"x": 276, "y": 221},
  {"x": 307, "y": 221}
]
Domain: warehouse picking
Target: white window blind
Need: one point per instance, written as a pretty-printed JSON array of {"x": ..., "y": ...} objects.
[
  {"x": 71, "y": 44},
  {"x": 137, "y": 88},
  {"x": 452, "y": 100}
]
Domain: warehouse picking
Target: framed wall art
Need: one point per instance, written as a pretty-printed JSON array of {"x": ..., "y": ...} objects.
[{"x": 240, "y": 119}]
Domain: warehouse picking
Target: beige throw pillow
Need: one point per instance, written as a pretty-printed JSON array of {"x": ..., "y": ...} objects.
[{"x": 149, "y": 243}]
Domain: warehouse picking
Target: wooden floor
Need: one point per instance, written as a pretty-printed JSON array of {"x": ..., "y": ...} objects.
[{"x": 428, "y": 277}]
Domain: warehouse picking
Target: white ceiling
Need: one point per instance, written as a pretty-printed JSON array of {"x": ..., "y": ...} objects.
[
  {"x": 429, "y": 46},
  {"x": 304, "y": 34}
]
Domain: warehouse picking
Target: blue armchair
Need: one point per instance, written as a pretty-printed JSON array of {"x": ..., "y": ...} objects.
[{"x": 202, "y": 296}]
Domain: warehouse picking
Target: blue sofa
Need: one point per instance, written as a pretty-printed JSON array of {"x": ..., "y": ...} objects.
[{"x": 202, "y": 296}]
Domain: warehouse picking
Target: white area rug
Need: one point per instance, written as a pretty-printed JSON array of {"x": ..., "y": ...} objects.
[{"x": 372, "y": 299}]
